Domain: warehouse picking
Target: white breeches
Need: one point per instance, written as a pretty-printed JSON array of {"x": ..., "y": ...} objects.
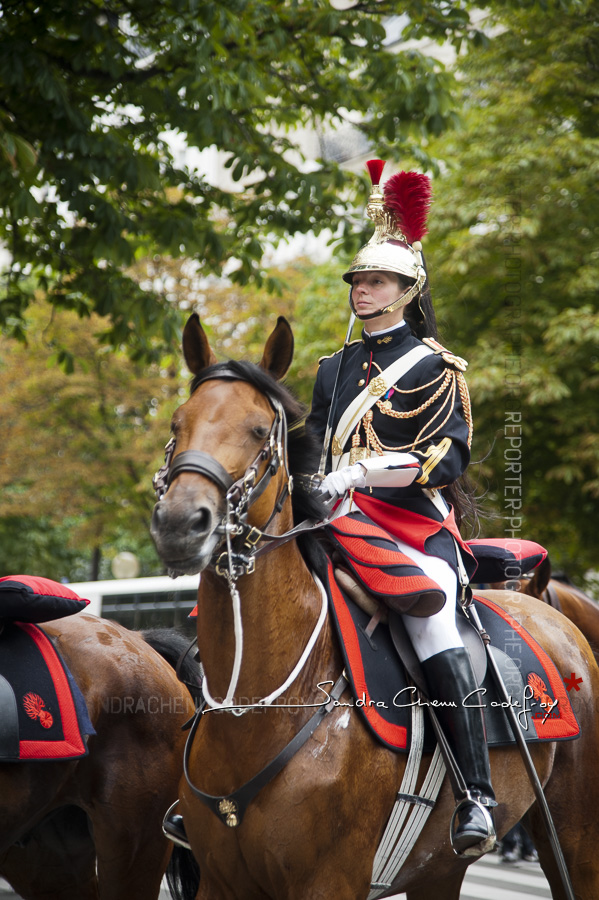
[{"x": 432, "y": 634}]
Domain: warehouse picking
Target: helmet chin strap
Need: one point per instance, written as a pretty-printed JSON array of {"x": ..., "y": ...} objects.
[{"x": 401, "y": 301}]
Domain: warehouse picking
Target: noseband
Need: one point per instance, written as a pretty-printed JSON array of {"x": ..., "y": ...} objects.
[{"x": 240, "y": 537}]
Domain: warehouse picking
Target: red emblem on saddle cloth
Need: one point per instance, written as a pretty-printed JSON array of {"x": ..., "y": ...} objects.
[
  {"x": 539, "y": 692},
  {"x": 34, "y": 707}
]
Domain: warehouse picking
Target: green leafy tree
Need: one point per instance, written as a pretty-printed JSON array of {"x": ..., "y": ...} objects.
[
  {"x": 515, "y": 268},
  {"x": 91, "y": 91},
  {"x": 78, "y": 449},
  {"x": 312, "y": 298}
]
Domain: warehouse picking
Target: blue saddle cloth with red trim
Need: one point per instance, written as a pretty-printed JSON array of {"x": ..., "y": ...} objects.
[
  {"x": 383, "y": 695},
  {"x": 49, "y": 715}
]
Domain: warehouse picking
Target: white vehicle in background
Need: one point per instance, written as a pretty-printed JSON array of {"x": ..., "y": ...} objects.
[{"x": 157, "y": 601}]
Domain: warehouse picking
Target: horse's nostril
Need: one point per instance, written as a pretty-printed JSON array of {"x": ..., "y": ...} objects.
[
  {"x": 200, "y": 521},
  {"x": 157, "y": 515}
]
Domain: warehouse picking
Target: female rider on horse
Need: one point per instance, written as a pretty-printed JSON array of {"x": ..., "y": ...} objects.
[{"x": 401, "y": 431}]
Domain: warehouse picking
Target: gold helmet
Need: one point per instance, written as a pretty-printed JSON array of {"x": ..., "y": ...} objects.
[{"x": 399, "y": 212}]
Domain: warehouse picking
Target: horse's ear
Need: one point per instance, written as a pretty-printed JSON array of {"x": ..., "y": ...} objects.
[
  {"x": 196, "y": 349},
  {"x": 278, "y": 351}
]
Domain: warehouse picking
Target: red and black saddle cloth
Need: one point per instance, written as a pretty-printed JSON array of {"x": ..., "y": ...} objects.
[
  {"x": 384, "y": 694},
  {"x": 43, "y": 715}
]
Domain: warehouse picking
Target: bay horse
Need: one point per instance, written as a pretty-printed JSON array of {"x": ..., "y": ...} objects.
[
  {"x": 312, "y": 831},
  {"x": 561, "y": 594},
  {"x": 90, "y": 828}
]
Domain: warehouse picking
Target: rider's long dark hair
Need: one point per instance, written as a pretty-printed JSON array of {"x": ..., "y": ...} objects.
[{"x": 420, "y": 316}]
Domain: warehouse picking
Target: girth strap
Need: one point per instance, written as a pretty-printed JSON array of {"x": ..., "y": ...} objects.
[
  {"x": 231, "y": 808},
  {"x": 201, "y": 464}
]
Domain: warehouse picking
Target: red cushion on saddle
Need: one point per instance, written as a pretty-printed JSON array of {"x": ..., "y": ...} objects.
[
  {"x": 376, "y": 561},
  {"x": 504, "y": 559},
  {"x": 407, "y": 525},
  {"x": 31, "y": 598}
]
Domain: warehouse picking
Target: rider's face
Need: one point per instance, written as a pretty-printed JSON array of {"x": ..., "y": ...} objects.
[{"x": 373, "y": 291}]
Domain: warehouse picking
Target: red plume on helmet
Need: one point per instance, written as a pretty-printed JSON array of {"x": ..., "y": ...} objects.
[
  {"x": 408, "y": 196},
  {"x": 375, "y": 169}
]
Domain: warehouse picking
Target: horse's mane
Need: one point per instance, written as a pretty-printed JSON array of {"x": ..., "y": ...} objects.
[{"x": 303, "y": 446}]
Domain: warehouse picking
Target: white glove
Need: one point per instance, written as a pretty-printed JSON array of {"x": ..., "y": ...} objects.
[
  {"x": 392, "y": 470},
  {"x": 337, "y": 483}
]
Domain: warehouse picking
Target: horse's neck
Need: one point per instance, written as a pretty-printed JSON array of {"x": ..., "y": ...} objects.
[{"x": 280, "y": 607}]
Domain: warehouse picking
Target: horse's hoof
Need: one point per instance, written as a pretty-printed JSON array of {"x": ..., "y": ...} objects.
[{"x": 174, "y": 829}]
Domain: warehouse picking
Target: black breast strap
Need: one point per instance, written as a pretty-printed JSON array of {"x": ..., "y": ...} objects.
[{"x": 231, "y": 808}]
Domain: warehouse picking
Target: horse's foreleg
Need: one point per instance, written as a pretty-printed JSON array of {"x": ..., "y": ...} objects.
[
  {"x": 56, "y": 860},
  {"x": 131, "y": 859},
  {"x": 447, "y": 888}
]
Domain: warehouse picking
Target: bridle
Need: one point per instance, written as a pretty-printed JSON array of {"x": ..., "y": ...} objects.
[{"x": 241, "y": 538}]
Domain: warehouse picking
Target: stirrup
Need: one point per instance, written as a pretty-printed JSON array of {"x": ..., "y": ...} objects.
[
  {"x": 173, "y": 827},
  {"x": 486, "y": 844}
]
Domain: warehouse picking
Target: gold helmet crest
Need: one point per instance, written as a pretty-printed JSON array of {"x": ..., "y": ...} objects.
[{"x": 399, "y": 211}]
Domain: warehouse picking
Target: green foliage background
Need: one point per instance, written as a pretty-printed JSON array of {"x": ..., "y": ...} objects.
[
  {"x": 514, "y": 246},
  {"x": 513, "y": 250}
]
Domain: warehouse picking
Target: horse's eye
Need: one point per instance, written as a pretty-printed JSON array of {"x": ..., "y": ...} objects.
[{"x": 260, "y": 431}]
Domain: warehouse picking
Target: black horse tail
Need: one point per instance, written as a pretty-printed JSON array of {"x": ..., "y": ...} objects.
[
  {"x": 179, "y": 653},
  {"x": 182, "y": 874}
]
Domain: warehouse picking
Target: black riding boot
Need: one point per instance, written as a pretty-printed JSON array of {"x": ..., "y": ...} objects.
[{"x": 450, "y": 679}]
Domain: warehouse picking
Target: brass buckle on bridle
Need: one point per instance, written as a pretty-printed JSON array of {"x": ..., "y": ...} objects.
[{"x": 252, "y": 537}]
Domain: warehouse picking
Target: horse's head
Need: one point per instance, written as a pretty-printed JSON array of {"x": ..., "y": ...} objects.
[{"x": 228, "y": 450}]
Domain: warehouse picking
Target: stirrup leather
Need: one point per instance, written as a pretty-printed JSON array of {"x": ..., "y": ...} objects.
[{"x": 485, "y": 845}]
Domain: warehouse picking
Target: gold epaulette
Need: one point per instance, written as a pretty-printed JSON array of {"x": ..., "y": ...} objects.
[
  {"x": 451, "y": 359},
  {"x": 331, "y": 355}
]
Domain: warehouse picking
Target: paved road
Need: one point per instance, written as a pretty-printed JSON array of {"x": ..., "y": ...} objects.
[{"x": 488, "y": 879}]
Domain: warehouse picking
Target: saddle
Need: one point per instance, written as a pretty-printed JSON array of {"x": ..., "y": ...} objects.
[
  {"x": 378, "y": 653},
  {"x": 379, "y": 658},
  {"x": 43, "y": 714}
]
